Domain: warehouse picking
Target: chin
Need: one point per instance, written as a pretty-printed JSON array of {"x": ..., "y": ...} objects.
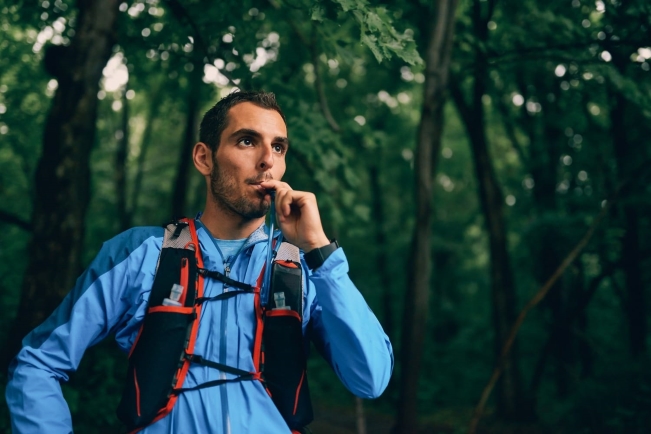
[{"x": 255, "y": 209}]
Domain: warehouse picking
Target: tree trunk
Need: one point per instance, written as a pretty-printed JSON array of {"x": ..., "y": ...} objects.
[
  {"x": 381, "y": 258},
  {"x": 427, "y": 150},
  {"x": 154, "y": 107},
  {"x": 179, "y": 195},
  {"x": 544, "y": 139},
  {"x": 13, "y": 219},
  {"x": 635, "y": 301},
  {"x": 502, "y": 287},
  {"x": 563, "y": 346},
  {"x": 120, "y": 174},
  {"x": 62, "y": 174},
  {"x": 510, "y": 402},
  {"x": 360, "y": 416}
]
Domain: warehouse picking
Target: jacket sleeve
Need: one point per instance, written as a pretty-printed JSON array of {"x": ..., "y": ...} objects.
[
  {"x": 345, "y": 330},
  {"x": 95, "y": 307}
]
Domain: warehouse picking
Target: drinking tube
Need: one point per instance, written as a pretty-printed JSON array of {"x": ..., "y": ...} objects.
[{"x": 270, "y": 247}]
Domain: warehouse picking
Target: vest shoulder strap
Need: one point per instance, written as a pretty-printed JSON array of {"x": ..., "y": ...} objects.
[
  {"x": 288, "y": 252},
  {"x": 178, "y": 236}
]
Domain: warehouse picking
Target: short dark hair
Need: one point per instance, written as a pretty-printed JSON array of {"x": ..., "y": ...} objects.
[{"x": 215, "y": 120}]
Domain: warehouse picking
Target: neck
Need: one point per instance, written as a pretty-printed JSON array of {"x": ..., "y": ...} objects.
[{"x": 225, "y": 224}]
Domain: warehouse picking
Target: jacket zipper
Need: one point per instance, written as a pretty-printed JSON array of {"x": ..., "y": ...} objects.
[
  {"x": 222, "y": 346},
  {"x": 222, "y": 355}
]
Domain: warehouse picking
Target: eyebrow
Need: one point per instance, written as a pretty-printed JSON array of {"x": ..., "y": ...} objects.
[{"x": 257, "y": 135}]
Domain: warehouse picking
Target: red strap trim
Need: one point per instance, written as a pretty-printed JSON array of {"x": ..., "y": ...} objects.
[
  {"x": 288, "y": 264},
  {"x": 182, "y": 372},
  {"x": 283, "y": 312},
  {"x": 298, "y": 391},
  {"x": 133, "y": 347},
  {"x": 257, "y": 342},
  {"x": 171, "y": 309},
  {"x": 135, "y": 380},
  {"x": 199, "y": 286},
  {"x": 195, "y": 325},
  {"x": 185, "y": 273}
]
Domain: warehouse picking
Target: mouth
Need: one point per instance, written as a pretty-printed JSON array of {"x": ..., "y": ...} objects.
[{"x": 259, "y": 188}]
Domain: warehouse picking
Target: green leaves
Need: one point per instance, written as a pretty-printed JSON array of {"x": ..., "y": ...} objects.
[
  {"x": 348, "y": 5},
  {"x": 317, "y": 13},
  {"x": 377, "y": 31}
]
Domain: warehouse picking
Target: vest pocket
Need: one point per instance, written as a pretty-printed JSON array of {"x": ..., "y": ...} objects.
[
  {"x": 285, "y": 366},
  {"x": 157, "y": 360}
]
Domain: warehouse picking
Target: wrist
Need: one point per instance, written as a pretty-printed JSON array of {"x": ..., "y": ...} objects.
[
  {"x": 316, "y": 257},
  {"x": 317, "y": 244}
]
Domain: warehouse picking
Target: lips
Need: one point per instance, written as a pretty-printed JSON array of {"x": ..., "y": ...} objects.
[{"x": 259, "y": 188}]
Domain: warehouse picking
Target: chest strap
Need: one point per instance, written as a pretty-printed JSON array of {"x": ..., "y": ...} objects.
[
  {"x": 245, "y": 287},
  {"x": 242, "y": 374}
]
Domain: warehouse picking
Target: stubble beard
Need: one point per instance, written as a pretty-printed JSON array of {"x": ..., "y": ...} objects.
[{"x": 223, "y": 187}]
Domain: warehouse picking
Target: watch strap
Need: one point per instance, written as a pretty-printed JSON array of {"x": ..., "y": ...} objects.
[{"x": 316, "y": 257}]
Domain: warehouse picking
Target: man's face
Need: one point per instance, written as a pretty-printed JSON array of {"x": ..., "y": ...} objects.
[{"x": 251, "y": 150}]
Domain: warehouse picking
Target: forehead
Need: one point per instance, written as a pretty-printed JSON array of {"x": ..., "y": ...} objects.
[{"x": 247, "y": 115}]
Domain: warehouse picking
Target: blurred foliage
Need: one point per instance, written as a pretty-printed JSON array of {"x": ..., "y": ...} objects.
[{"x": 554, "y": 70}]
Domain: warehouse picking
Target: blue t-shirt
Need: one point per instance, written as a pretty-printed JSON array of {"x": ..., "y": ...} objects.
[{"x": 229, "y": 248}]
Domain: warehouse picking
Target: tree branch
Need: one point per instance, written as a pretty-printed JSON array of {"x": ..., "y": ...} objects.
[
  {"x": 636, "y": 175},
  {"x": 291, "y": 23},
  {"x": 557, "y": 53},
  {"x": 318, "y": 83},
  {"x": 511, "y": 133},
  {"x": 566, "y": 322},
  {"x": 182, "y": 15},
  {"x": 314, "y": 56},
  {"x": 302, "y": 159},
  {"x": 494, "y": 56},
  {"x": 155, "y": 97},
  {"x": 459, "y": 99},
  {"x": 15, "y": 220}
]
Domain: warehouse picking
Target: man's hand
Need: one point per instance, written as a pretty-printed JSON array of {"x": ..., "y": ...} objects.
[{"x": 298, "y": 216}]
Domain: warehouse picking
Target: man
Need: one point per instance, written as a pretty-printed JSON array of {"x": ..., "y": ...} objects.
[{"x": 241, "y": 154}]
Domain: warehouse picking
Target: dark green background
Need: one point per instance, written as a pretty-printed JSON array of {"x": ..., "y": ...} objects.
[{"x": 557, "y": 72}]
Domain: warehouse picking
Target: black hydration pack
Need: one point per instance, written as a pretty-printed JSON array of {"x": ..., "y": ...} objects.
[{"x": 164, "y": 348}]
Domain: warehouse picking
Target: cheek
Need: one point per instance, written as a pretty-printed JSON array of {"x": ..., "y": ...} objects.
[
  {"x": 279, "y": 169},
  {"x": 232, "y": 168}
]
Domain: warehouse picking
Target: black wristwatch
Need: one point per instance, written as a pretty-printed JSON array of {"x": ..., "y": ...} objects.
[{"x": 316, "y": 257}]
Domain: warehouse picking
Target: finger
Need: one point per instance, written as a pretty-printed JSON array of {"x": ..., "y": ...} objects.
[
  {"x": 286, "y": 200},
  {"x": 302, "y": 198},
  {"x": 275, "y": 185},
  {"x": 278, "y": 204}
]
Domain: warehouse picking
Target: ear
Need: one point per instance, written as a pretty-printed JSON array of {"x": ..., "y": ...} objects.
[{"x": 202, "y": 158}]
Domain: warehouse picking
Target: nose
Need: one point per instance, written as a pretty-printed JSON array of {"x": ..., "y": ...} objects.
[{"x": 266, "y": 160}]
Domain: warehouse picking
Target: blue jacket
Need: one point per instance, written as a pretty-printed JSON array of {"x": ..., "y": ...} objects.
[{"x": 111, "y": 296}]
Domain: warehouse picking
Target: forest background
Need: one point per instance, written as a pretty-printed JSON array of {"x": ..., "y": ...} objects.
[{"x": 484, "y": 164}]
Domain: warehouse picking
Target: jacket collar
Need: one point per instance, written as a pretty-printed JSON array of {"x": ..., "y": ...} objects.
[{"x": 260, "y": 234}]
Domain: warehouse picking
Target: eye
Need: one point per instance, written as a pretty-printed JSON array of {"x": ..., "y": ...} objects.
[
  {"x": 246, "y": 141},
  {"x": 278, "y": 148}
]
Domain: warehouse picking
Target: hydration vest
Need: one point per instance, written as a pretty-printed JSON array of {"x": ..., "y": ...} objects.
[{"x": 164, "y": 347}]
